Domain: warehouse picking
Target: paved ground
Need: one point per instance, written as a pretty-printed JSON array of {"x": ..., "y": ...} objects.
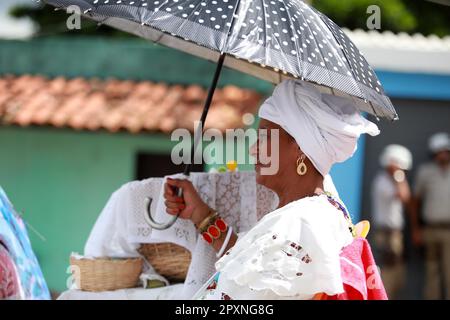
[{"x": 415, "y": 277}]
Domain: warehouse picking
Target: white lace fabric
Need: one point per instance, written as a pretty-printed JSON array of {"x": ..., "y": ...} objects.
[
  {"x": 121, "y": 227},
  {"x": 292, "y": 253}
]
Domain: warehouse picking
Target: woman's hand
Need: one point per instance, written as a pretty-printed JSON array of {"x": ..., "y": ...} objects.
[{"x": 190, "y": 206}]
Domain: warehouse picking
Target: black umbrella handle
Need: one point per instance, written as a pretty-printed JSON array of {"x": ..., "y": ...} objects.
[
  {"x": 187, "y": 169},
  {"x": 177, "y": 191}
]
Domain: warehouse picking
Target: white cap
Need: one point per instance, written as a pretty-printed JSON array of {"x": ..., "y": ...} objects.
[
  {"x": 395, "y": 154},
  {"x": 439, "y": 142}
]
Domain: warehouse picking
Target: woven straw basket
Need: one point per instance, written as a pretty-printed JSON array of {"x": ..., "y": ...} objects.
[
  {"x": 168, "y": 259},
  {"x": 106, "y": 274}
]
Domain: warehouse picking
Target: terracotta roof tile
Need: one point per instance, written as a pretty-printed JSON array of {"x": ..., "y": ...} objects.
[
  {"x": 114, "y": 105},
  {"x": 194, "y": 93}
]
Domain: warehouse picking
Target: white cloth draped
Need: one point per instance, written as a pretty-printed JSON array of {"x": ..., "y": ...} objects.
[{"x": 326, "y": 127}]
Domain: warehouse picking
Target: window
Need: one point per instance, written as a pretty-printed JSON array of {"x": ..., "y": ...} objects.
[{"x": 150, "y": 165}]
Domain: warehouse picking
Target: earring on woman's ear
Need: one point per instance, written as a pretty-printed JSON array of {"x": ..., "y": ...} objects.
[{"x": 301, "y": 166}]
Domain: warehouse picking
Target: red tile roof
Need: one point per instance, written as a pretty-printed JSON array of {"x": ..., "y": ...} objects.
[{"x": 93, "y": 104}]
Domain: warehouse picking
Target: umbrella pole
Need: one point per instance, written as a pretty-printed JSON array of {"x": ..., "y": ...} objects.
[
  {"x": 197, "y": 136},
  {"x": 199, "y": 130}
]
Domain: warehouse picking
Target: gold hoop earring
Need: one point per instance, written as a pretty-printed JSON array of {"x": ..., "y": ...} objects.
[{"x": 301, "y": 166}]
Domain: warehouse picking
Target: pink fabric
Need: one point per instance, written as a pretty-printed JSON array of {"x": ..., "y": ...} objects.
[
  {"x": 360, "y": 274},
  {"x": 9, "y": 285}
]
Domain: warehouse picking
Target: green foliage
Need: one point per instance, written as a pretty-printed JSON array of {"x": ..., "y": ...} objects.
[
  {"x": 396, "y": 15},
  {"x": 432, "y": 18},
  {"x": 51, "y": 22}
]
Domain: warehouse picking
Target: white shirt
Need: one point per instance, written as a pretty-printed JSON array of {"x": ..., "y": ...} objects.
[
  {"x": 387, "y": 208},
  {"x": 433, "y": 186}
]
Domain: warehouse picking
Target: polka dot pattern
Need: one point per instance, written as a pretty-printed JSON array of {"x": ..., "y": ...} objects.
[
  {"x": 357, "y": 64},
  {"x": 286, "y": 35}
]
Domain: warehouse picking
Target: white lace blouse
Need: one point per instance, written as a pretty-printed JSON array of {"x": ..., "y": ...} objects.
[{"x": 291, "y": 253}]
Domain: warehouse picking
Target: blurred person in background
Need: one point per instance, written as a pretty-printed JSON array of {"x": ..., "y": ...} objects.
[
  {"x": 431, "y": 205},
  {"x": 390, "y": 195}
]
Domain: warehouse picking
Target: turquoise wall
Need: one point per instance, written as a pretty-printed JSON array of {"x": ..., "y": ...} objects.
[{"x": 119, "y": 58}]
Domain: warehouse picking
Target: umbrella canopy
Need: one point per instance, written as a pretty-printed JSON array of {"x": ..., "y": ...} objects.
[{"x": 269, "y": 39}]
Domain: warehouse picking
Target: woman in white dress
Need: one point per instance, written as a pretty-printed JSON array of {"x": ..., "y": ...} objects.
[{"x": 292, "y": 252}]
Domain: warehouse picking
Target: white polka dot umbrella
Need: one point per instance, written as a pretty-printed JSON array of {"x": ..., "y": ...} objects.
[{"x": 269, "y": 39}]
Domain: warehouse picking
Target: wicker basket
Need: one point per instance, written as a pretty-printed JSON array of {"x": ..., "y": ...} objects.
[
  {"x": 106, "y": 274},
  {"x": 168, "y": 259}
]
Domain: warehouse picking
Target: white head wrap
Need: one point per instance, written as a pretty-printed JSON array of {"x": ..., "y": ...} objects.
[{"x": 325, "y": 127}]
